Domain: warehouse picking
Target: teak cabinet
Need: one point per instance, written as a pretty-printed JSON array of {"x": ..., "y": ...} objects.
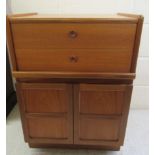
[{"x": 74, "y": 77}]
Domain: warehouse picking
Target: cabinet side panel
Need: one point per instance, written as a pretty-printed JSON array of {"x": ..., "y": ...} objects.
[
  {"x": 137, "y": 43},
  {"x": 20, "y": 100},
  {"x": 126, "y": 108},
  {"x": 10, "y": 45}
]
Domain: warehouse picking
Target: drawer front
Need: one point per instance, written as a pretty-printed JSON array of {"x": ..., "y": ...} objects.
[
  {"x": 46, "y": 98},
  {"x": 71, "y": 35},
  {"x": 92, "y": 60}
]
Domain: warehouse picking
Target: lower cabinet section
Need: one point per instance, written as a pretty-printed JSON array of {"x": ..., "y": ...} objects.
[{"x": 78, "y": 114}]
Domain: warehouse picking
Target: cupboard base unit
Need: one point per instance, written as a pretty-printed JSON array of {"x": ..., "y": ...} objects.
[
  {"x": 74, "y": 77},
  {"x": 75, "y": 114}
]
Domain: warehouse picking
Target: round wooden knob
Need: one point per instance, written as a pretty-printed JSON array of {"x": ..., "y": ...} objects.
[
  {"x": 73, "y": 34},
  {"x": 73, "y": 58}
]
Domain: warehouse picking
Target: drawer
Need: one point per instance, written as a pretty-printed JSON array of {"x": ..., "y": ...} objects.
[
  {"x": 46, "y": 98},
  {"x": 96, "y": 128},
  {"x": 71, "y": 35},
  {"x": 84, "y": 60}
]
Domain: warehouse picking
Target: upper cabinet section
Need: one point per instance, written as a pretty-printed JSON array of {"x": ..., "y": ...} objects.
[{"x": 74, "y": 43}]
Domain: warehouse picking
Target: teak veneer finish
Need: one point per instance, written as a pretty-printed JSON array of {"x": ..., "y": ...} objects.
[{"x": 74, "y": 77}]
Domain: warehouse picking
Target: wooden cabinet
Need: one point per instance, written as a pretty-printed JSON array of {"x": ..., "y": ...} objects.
[{"x": 74, "y": 77}]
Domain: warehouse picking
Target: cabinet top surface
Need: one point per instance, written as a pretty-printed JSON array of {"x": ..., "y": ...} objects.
[{"x": 104, "y": 17}]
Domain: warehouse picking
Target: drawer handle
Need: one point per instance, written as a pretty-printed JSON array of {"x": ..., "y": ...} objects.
[
  {"x": 73, "y": 58},
  {"x": 73, "y": 34}
]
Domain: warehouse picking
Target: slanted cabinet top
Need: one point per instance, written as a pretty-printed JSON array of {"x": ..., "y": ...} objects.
[{"x": 74, "y": 17}]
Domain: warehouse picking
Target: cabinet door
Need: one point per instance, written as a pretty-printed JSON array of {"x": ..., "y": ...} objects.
[
  {"x": 100, "y": 114},
  {"x": 48, "y": 114}
]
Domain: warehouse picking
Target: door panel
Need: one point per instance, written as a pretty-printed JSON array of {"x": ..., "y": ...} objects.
[
  {"x": 48, "y": 111},
  {"x": 48, "y": 127},
  {"x": 99, "y": 128},
  {"x": 98, "y": 114},
  {"x": 101, "y": 99},
  {"x": 46, "y": 98}
]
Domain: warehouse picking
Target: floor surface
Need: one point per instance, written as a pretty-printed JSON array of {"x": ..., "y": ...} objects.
[{"x": 136, "y": 140}]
